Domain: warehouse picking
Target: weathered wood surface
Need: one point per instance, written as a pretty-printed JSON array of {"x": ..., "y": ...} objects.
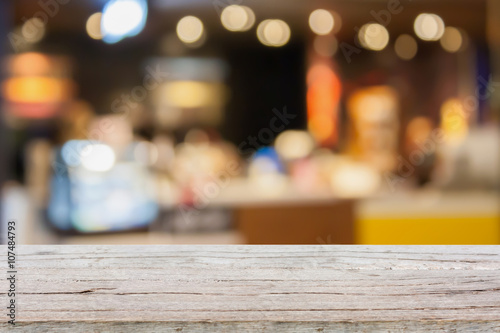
[{"x": 243, "y": 288}]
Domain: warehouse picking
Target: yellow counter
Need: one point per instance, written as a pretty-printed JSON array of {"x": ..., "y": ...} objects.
[{"x": 429, "y": 218}]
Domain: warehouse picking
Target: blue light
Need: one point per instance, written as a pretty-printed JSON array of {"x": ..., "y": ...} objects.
[
  {"x": 123, "y": 18},
  {"x": 269, "y": 154}
]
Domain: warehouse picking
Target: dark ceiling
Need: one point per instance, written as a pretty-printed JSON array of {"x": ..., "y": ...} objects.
[{"x": 469, "y": 15}]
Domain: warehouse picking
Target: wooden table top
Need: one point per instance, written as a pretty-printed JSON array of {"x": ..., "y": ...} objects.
[{"x": 239, "y": 288}]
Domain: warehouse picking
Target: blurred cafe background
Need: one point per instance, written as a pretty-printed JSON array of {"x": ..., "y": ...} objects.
[{"x": 250, "y": 121}]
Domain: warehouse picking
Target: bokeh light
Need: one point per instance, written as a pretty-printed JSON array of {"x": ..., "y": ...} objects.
[
  {"x": 419, "y": 129},
  {"x": 190, "y": 29},
  {"x": 323, "y": 95},
  {"x": 429, "y": 27},
  {"x": 452, "y": 39},
  {"x": 237, "y": 18},
  {"x": 373, "y": 36},
  {"x": 100, "y": 158},
  {"x": 265, "y": 173},
  {"x": 321, "y": 22},
  {"x": 273, "y": 33},
  {"x": 406, "y": 47},
  {"x": 353, "y": 179},
  {"x": 294, "y": 144},
  {"x": 37, "y": 89},
  {"x": 30, "y": 63},
  {"x": 93, "y": 26},
  {"x": 454, "y": 121},
  {"x": 123, "y": 18}
]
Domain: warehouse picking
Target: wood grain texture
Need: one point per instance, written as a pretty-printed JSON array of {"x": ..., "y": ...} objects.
[{"x": 242, "y": 288}]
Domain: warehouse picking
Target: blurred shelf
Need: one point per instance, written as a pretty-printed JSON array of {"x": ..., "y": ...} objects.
[{"x": 136, "y": 238}]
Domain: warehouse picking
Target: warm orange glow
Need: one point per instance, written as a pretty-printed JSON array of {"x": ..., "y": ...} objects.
[
  {"x": 36, "y": 89},
  {"x": 374, "y": 126},
  {"x": 29, "y": 63},
  {"x": 191, "y": 94},
  {"x": 454, "y": 121},
  {"x": 419, "y": 129},
  {"x": 323, "y": 95},
  {"x": 321, "y": 126}
]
